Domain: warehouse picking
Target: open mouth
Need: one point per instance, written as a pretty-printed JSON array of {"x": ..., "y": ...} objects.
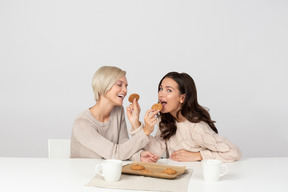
[
  {"x": 121, "y": 96},
  {"x": 163, "y": 103}
]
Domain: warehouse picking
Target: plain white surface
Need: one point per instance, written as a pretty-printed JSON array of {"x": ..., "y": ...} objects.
[
  {"x": 43, "y": 174},
  {"x": 236, "y": 51}
]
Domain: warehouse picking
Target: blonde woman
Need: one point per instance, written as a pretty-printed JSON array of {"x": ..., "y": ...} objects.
[{"x": 101, "y": 131}]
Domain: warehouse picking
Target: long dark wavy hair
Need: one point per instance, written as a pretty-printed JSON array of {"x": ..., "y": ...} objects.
[{"x": 190, "y": 109}]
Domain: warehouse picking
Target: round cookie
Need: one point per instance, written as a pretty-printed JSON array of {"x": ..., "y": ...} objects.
[
  {"x": 157, "y": 106},
  {"x": 169, "y": 171},
  {"x": 146, "y": 171},
  {"x": 137, "y": 167},
  {"x": 133, "y": 96}
]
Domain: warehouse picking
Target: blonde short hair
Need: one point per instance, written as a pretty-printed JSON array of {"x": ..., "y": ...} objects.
[{"x": 104, "y": 78}]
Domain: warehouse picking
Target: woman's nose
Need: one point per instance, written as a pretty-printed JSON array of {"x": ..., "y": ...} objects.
[
  {"x": 124, "y": 89},
  {"x": 160, "y": 94}
]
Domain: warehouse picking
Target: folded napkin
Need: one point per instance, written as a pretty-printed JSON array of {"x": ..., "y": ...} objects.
[{"x": 136, "y": 182}]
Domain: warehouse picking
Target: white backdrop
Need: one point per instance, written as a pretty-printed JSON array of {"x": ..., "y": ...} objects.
[{"x": 236, "y": 51}]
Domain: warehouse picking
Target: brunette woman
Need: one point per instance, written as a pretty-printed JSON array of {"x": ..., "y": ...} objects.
[{"x": 186, "y": 131}]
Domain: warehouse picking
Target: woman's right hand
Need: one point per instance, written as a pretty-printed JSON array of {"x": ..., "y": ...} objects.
[
  {"x": 150, "y": 120},
  {"x": 133, "y": 112},
  {"x": 146, "y": 156}
]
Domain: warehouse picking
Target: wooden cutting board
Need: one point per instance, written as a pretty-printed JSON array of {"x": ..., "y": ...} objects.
[{"x": 156, "y": 170}]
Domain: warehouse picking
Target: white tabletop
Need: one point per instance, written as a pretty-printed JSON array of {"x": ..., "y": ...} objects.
[{"x": 43, "y": 174}]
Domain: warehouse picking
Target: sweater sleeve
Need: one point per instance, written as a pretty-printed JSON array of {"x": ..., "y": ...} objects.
[
  {"x": 214, "y": 146},
  {"x": 135, "y": 131},
  {"x": 136, "y": 156},
  {"x": 123, "y": 133},
  {"x": 156, "y": 145},
  {"x": 91, "y": 139}
]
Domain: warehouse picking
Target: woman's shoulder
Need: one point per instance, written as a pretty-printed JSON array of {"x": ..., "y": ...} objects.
[
  {"x": 203, "y": 128},
  {"x": 190, "y": 124},
  {"x": 84, "y": 114},
  {"x": 85, "y": 117},
  {"x": 199, "y": 127}
]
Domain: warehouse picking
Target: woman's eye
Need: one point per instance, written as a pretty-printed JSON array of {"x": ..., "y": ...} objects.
[
  {"x": 169, "y": 90},
  {"x": 160, "y": 89},
  {"x": 119, "y": 85}
]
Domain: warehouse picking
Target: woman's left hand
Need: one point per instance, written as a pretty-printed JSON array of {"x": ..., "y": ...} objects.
[
  {"x": 146, "y": 156},
  {"x": 150, "y": 120},
  {"x": 183, "y": 155}
]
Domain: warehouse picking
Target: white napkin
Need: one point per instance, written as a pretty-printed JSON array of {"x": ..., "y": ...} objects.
[{"x": 136, "y": 182}]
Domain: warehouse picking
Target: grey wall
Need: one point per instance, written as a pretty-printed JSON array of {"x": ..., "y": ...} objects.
[{"x": 236, "y": 51}]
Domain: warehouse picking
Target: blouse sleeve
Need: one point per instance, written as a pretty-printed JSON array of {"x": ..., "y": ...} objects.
[{"x": 214, "y": 146}]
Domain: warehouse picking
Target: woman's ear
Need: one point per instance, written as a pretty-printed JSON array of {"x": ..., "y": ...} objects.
[{"x": 182, "y": 98}]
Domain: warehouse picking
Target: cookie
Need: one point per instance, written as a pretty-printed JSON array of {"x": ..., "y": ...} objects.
[
  {"x": 133, "y": 96},
  {"x": 157, "y": 106},
  {"x": 146, "y": 171},
  {"x": 169, "y": 171},
  {"x": 137, "y": 167}
]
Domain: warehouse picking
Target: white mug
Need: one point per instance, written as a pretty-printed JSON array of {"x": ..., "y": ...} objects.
[
  {"x": 110, "y": 169},
  {"x": 213, "y": 169}
]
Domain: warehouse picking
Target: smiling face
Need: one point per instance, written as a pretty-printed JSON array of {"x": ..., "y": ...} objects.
[
  {"x": 170, "y": 97},
  {"x": 118, "y": 91}
]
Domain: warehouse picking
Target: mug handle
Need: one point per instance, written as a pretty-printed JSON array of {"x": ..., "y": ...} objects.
[
  {"x": 98, "y": 168},
  {"x": 225, "y": 171}
]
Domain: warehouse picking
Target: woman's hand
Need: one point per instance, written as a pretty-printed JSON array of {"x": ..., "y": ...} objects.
[
  {"x": 133, "y": 112},
  {"x": 183, "y": 155},
  {"x": 146, "y": 156},
  {"x": 150, "y": 120}
]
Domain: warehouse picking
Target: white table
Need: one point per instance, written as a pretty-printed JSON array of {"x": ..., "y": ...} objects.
[{"x": 61, "y": 175}]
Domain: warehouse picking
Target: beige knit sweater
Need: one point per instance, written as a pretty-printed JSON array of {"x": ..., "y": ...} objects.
[
  {"x": 93, "y": 139},
  {"x": 194, "y": 137}
]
